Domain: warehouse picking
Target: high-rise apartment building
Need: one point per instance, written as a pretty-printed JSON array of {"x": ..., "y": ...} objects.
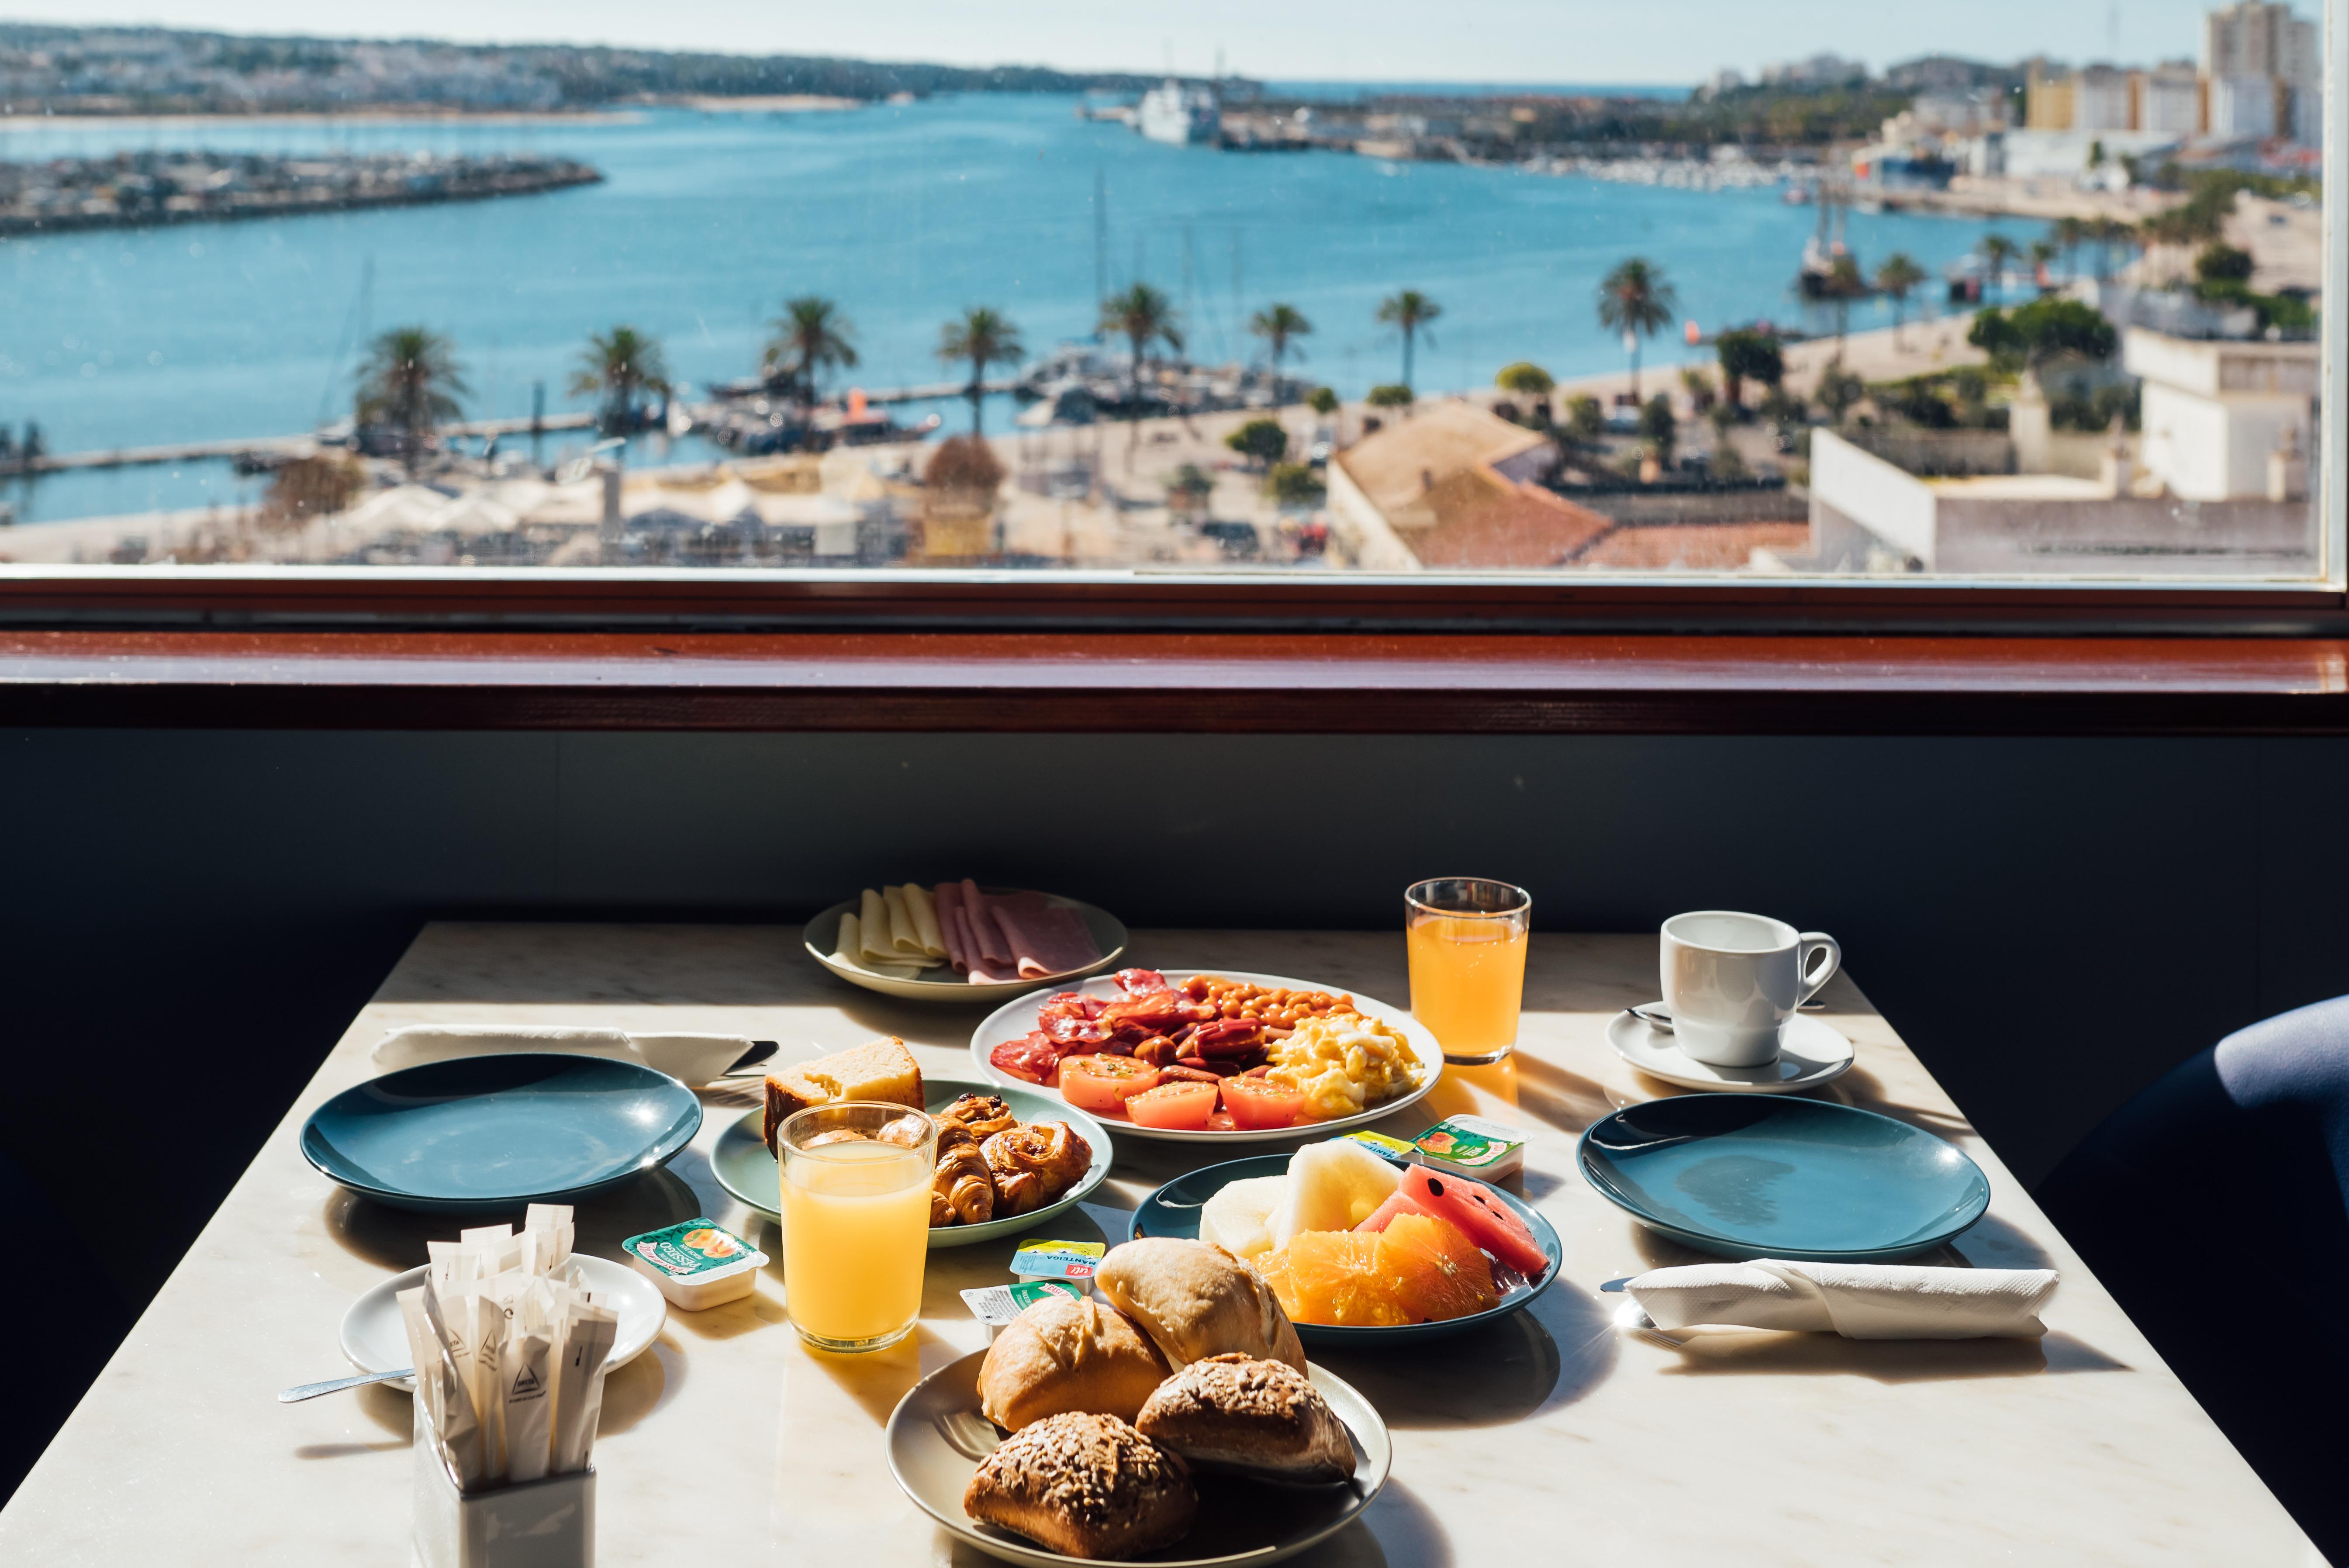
[{"x": 2259, "y": 38}]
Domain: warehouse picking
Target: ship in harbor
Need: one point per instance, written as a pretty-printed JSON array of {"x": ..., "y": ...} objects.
[{"x": 1180, "y": 114}]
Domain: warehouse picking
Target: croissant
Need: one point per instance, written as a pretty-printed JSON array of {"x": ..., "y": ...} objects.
[
  {"x": 983, "y": 1114},
  {"x": 963, "y": 1190},
  {"x": 1035, "y": 1164}
]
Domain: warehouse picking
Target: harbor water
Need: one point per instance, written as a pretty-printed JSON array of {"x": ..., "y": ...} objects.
[{"x": 904, "y": 213}]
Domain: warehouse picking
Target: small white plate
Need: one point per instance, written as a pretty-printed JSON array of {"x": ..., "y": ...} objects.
[
  {"x": 375, "y": 1339},
  {"x": 1014, "y": 1020},
  {"x": 822, "y": 935},
  {"x": 1809, "y": 1053}
]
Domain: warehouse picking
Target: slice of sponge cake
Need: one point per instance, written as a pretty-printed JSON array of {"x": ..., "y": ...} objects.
[{"x": 880, "y": 1069}]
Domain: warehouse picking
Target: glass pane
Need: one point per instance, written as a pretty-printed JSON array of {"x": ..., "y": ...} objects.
[{"x": 2027, "y": 292}]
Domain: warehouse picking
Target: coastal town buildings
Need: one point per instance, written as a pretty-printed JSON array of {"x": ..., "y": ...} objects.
[{"x": 2261, "y": 76}]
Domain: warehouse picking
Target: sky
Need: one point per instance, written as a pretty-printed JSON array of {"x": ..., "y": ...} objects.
[{"x": 1577, "y": 41}]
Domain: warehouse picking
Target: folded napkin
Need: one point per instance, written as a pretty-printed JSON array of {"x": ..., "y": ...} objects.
[
  {"x": 1858, "y": 1301},
  {"x": 421, "y": 1043}
]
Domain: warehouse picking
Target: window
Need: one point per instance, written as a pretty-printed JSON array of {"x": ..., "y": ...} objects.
[{"x": 2024, "y": 293}]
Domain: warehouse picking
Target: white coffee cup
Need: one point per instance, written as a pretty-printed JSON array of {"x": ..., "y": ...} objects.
[{"x": 1732, "y": 981}]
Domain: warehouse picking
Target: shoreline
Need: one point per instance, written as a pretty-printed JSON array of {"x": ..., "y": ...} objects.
[{"x": 191, "y": 120}]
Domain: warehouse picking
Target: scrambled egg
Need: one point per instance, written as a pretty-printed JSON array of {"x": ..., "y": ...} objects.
[{"x": 1344, "y": 1063}]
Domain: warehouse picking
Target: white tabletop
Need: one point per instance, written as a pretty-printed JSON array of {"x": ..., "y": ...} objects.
[{"x": 1554, "y": 1438}]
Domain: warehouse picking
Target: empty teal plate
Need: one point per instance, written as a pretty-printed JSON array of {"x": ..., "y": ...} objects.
[
  {"x": 498, "y": 1132},
  {"x": 1807, "y": 1179},
  {"x": 1173, "y": 1211}
]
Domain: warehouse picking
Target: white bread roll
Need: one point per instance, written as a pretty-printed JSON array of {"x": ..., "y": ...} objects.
[
  {"x": 1061, "y": 1356},
  {"x": 1197, "y": 1300}
]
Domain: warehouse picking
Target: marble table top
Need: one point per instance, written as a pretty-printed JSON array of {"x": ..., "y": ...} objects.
[{"x": 1554, "y": 1437}]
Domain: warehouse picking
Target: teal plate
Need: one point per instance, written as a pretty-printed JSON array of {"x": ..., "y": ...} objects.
[
  {"x": 1173, "y": 1211},
  {"x": 744, "y": 1167},
  {"x": 1806, "y": 1179},
  {"x": 491, "y": 1133}
]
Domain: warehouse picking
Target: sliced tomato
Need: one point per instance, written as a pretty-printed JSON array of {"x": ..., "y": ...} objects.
[
  {"x": 1031, "y": 1056},
  {"x": 1104, "y": 1084},
  {"x": 1179, "y": 1106},
  {"x": 1485, "y": 1220},
  {"x": 1259, "y": 1102}
]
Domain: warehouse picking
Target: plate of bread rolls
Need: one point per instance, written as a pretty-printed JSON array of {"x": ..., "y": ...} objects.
[
  {"x": 1008, "y": 1158},
  {"x": 1175, "y": 1422}
]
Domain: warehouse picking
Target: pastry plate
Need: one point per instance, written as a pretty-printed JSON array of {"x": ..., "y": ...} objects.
[
  {"x": 1810, "y": 1053},
  {"x": 822, "y": 935},
  {"x": 495, "y": 1133},
  {"x": 1016, "y": 1019},
  {"x": 937, "y": 1436},
  {"x": 374, "y": 1337},
  {"x": 1749, "y": 1176},
  {"x": 1173, "y": 1211},
  {"x": 744, "y": 1167}
]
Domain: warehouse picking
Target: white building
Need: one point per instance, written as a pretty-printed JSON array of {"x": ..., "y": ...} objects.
[
  {"x": 2258, "y": 39},
  {"x": 2244, "y": 106},
  {"x": 2169, "y": 101},
  {"x": 2101, "y": 101},
  {"x": 2217, "y": 413}
]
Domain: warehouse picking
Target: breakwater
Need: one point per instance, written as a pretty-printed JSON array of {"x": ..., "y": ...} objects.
[{"x": 138, "y": 190}]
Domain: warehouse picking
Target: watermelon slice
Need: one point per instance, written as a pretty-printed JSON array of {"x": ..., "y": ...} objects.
[
  {"x": 1399, "y": 1202},
  {"x": 1471, "y": 1206}
]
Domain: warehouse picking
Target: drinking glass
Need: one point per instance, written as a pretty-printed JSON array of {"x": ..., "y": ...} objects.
[
  {"x": 857, "y": 1221},
  {"x": 1468, "y": 936}
]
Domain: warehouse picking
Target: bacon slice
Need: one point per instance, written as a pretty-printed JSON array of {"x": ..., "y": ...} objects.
[{"x": 1032, "y": 1056}]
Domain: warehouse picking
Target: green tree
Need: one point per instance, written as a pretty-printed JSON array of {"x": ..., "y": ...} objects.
[
  {"x": 1389, "y": 395},
  {"x": 1747, "y": 354},
  {"x": 1144, "y": 317},
  {"x": 1999, "y": 254},
  {"x": 1187, "y": 490},
  {"x": 2222, "y": 263},
  {"x": 2030, "y": 336},
  {"x": 1280, "y": 325},
  {"x": 1322, "y": 401},
  {"x": 1659, "y": 428},
  {"x": 618, "y": 367},
  {"x": 1842, "y": 285},
  {"x": 1638, "y": 301},
  {"x": 1409, "y": 313},
  {"x": 1586, "y": 421},
  {"x": 2040, "y": 254},
  {"x": 811, "y": 337},
  {"x": 1725, "y": 462},
  {"x": 1524, "y": 378},
  {"x": 1896, "y": 279},
  {"x": 1261, "y": 441},
  {"x": 980, "y": 337},
  {"x": 411, "y": 381},
  {"x": 1839, "y": 390},
  {"x": 1294, "y": 484}
]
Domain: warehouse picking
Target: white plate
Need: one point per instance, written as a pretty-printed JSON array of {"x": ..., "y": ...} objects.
[
  {"x": 375, "y": 1339},
  {"x": 1810, "y": 1053},
  {"x": 1015, "y": 1019},
  {"x": 822, "y": 935},
  {"x": 937, "y": 1436}
]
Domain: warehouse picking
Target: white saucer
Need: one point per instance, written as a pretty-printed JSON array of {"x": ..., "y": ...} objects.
[
  {"x": 1809, "y": 1053},
  {"x": 375, "y": 1337}
]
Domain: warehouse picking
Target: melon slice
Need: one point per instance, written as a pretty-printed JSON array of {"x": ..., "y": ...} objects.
[
  {"x": 1483, "y": 1217},
  {"x": 1332, "y": 1186},
  {"x": 1236, "y": 1218}
]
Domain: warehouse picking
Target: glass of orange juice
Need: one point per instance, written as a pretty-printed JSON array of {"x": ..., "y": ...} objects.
[
  {"x": 857, "y": 1221},
  {"x": 1467, "y": 940}
]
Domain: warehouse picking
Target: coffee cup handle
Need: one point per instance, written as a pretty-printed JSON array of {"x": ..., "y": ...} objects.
[{"x": 1809, "y": 946}]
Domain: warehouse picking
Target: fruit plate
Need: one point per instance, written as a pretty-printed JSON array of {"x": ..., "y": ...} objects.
[
  {"x": 822, "y": 936},
  {"x": 937, "y": 1436},
  {"x": 1015, "y": 1019},
  {"x": 1173, "y": 1211},
  {"x": 744, "y": 1167}
]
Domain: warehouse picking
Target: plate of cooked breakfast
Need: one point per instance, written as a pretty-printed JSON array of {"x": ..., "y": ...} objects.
[
  {"x": 1008, "y": 1158},
  {"x": 959, "y": 942},
  {"x": 1177, "y": 1422},
  {"x": 1211, "y": 1057},
  {"x": 1360, "y": 1250}
]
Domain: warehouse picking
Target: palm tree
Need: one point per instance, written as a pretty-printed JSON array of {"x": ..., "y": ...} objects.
[
  {"x": 618, "y": 365},
  {"x": 2040, "y": 253},
  {"x": 1279, "y": 326},
  {"x": 984, "y": 337},
  {"x": 811, "y": 337},
  {"x": 1842, "y": 284},
  {"x": 1637, "y": 301},
  {"x": 1409, "y": 313},
  {"x": 1143, "y": 316},
  {"x": 2000, "y": 251},
  {"x": 411, "y": 381},
  {"x": 2069, "y": 233},
  {"x": 1895, "y": 278}
]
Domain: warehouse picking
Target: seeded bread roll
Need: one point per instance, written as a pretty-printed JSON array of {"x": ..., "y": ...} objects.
[
  {"x": 1248, "y": 1417},
  {"x": 1086, "y": 1486},
  {"x": 1061, "y": 1354},
  {"x": 1197, "y": 1300}
]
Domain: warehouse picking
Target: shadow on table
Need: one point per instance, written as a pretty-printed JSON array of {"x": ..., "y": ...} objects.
[
  {"x": 1567, "y": 1101},
  {"x": 878, "y": 1379},
  {"x": 1862, "y": 1091},
  {"x": 1552, "y": 1353},
  {"x": 642, "y": 1387},
  {"x": 1992, "y": 1243},
  {"x": 394, "y": 1238},
  {"x": 1727, "y": 1351}
]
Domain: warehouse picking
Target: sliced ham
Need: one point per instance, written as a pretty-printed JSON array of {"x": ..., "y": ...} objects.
[
  {"x": 1043, "y": 938},
  {"x": 986, "y": 935},
  {"x": 947, "y": 897}
]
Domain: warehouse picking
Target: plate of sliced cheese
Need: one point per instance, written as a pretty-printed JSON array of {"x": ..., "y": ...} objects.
[{"x": 959, "y": 942}]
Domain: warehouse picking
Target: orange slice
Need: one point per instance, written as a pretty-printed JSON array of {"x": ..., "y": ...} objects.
[
  {"x": 1332, "y": 1277},
  {"x": 1432, "y": 1270}
]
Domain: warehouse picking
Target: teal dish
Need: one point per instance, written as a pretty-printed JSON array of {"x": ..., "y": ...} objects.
[
  {"x": 492, "y": 1133},
  {"x": 1173, "y": 1211},
  {"x": 745, "y": 1169},
  {"x": 1806, "y": 1179}
]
